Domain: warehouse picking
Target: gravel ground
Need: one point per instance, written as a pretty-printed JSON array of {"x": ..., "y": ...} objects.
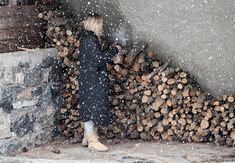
[{"x": 126, "y": 152}]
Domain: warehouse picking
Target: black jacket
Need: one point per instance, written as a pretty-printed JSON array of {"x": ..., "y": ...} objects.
[{"x": 93, "y": 81}]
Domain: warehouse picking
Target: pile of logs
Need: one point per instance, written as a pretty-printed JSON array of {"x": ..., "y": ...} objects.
[
  {"x": 150, "y": 100},
  {"x": 154, "y": 101},
  {"x": 61, "y": 35}
]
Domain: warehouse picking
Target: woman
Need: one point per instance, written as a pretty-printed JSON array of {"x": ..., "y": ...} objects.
[{"x": 93, "y": 81}]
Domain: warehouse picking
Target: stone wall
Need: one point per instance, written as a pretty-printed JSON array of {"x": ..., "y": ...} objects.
[{"x": 29, "y": 84}]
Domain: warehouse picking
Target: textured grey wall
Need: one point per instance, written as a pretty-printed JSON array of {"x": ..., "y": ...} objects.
[
  {"x": 200, "y": 35},
  {"x": 29, "y": 85}
]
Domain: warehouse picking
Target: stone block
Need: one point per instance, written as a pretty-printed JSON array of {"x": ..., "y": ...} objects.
[
  {"x": 48, "y": 62},
  {"x": 19, "y": 78},
  {"x": 36, "y": 91},
  {"x": 13, "y": 148},
  {"x": 22, "y": 126},
  {"x": 10, "y": 92},
  {"x": 37, "y": 128},
  {"x": 46, "y": 76},
  {"x": 24, "y": 65},
  {"x": 17, "y": 105},
  {"x": 25, "y": 103},
  {"x": 34, "y": 77},
  {"x": 26, "y": 94},
  {"x": 50, "y": 110},
  {"x": 5, "y": 123},
  {"x": 46, "y": 97},
  {"x": 42, "y": 137},
  {"x": 9, "y": 76},
  {"x": 6, "y": 106}
]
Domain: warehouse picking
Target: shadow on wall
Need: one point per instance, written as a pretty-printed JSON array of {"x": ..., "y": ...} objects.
[
  {"x": 116, "y": 27},
  {"x": 165, "y": 51}
]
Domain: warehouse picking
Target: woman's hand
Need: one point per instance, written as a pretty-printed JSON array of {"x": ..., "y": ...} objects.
[
  {"x": 118, "y": 59},
  {"x": 118, "y": 47}
]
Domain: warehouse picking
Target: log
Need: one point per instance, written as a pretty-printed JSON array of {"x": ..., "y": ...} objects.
[
  {"x": 159, "y": 69},
  {"x": 230, "y": 99},
  {"x": 204, "y": 124},
  {"x": 232, "y": 135},
  {"x": 157, "y": 103},
  {"x": 141, "y": 47}
]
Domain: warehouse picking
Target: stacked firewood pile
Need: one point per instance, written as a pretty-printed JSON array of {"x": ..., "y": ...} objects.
[
  {"x": 62, "y": 35},
  {"x": 150, "y": 100},
  {"x": 154, "y": 101}
]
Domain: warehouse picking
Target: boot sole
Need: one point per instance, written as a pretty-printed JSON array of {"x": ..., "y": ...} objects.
[
  {"x": 92, "y": 149},
  {"x": 84, "y": 145}
]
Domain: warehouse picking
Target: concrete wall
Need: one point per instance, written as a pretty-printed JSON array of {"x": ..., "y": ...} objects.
[
  {"x": 200, "y": 35},
  {"x": 29, "y": 85}
]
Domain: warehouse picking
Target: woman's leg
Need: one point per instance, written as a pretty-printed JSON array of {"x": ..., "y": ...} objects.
[{"x": 88, "y": 128}]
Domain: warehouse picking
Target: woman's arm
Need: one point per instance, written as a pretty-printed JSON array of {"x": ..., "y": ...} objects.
[{"x": 101, "y": 57}]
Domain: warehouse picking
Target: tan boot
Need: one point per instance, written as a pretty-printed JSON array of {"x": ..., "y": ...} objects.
[
  {"x": 84, "y": 141},
  {"x": 94, "y": 144}
]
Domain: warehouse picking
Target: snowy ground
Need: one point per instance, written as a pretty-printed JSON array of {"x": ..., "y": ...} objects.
[{"x": 127, "y": 152}]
